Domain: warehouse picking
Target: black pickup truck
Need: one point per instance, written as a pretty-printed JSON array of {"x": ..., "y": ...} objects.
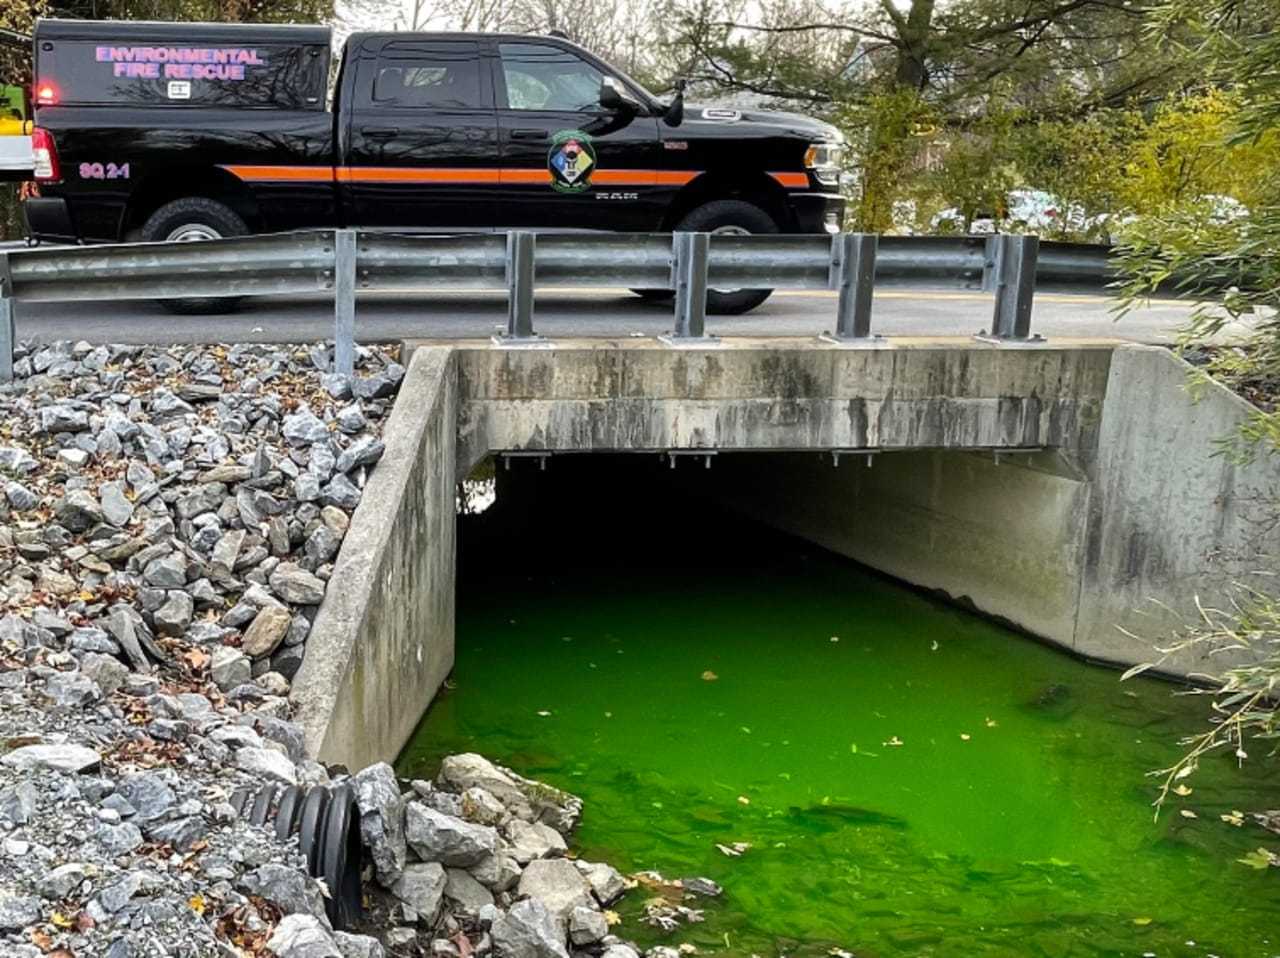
[{"x": 164, "y": 131}]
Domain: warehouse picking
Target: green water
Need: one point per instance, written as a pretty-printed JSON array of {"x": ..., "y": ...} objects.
[{"x": 1014, "y": 818}]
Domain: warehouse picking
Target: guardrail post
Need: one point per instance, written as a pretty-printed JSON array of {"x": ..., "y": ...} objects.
[
  {"x": 690, "y": 273},
  {"x": 344, "y": 302},
  {"x": 8, "y": 324},
  {"x": 520, "y": 277},
  {"x": 1015, "y": 286},
  {"x": 853, "y": 274}
]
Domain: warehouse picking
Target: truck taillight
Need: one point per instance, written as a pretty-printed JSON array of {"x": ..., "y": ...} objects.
[
  {"x": 46, "y": 94},
  {"x": 45, "y": 153}
]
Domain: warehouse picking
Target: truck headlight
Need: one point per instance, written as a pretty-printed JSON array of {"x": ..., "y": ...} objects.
[{"x": 825, "y": 160}]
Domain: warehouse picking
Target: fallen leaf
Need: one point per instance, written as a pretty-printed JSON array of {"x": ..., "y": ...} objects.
[
  {"x": 965, "y": 736},
  {"x": 991, "y": 723},
  {"x": 1234, "y": 817},
  {"x": 1142, "y": 921},
  {"x": 893, "y": 742},
  {"x": 743, "y": 800},
  {"x": 1182, "y": 790},
  {"x": 1187, "y": 813},
  {"x": 709, "y": 676},
  {"x": 612, "y": 918}
]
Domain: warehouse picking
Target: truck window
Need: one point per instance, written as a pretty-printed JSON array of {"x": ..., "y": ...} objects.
[
  {"x": 439, "y": 81},
  {"x": 93, "y": 73},
  {"x": 543, "y": 77}
]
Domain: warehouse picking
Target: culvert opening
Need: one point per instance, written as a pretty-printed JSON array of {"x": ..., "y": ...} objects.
[{"x": 858, "y": 766}]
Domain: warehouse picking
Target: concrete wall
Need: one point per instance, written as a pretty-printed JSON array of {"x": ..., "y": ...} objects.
[
  {"x": 383, "y": 640},
  {"x": 1007, "y": 536},
  {"x": 777, "y": 394},
  {"x": 1169, "y": 519}
]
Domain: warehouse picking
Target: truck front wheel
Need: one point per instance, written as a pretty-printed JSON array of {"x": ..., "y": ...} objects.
[
  {"x": 730, "y": 217},
  {"x": 191, "y": 220}
]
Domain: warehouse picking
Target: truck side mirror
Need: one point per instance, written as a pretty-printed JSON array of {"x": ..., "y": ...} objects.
[
  {"x": 674, "y": 114},
  {"x": 614, "y": 97}
]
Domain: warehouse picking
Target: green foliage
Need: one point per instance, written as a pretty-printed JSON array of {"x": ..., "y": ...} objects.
[{"x": 887, "y": 133}]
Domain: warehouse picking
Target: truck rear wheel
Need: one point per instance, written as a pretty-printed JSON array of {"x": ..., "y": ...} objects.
[{"x": 191, "y": 220}]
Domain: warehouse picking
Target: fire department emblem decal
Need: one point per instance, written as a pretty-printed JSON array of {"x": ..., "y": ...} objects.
[{"x": 571, "y": 161}]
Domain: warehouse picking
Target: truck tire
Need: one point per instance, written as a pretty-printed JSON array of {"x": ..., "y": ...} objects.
[
  {"x": 730, "y": 216},
  {"x": 189, "y": 220}
]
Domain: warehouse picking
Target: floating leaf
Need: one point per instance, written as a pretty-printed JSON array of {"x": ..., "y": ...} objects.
[
  {"x": 1261, "y": 859},
  {"x": 1234, "y": 817},
  {"x": 543, "y": 712},
  {"x": 991, "y": 723},
  {"x": 709, "y": 676},
  {"x": 1183, "y": 790},
  {"x": 1187, "y": 813},
  {"x": 894, "y": 742},
  {"x": 1142, "y": 921},
  {"x": 965, "y": 736},
  {"x": 743, "y": 800}
]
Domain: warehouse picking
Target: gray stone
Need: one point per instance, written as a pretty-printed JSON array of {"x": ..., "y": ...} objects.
[
  {"x": 435, "y": 837},
  {"x": 174, "y": 616},
  {"x": 18, "y": 911},
  {"x": 620, "y": 951},
  {"x": 586, "y": 926},
  {"x": 479, "y": 806},
  {"x": 268, "y": 763},
  {"x": 166, "y": 572},
  {"x": 287, "y": 661},
  {"x": 71, "y": 690},
  {"x": 465, "y": 892},
  {"x": 118, "y": 839},
  {"x": 181, "y": 833},
  {"x": 606, "y": 882},
  {"x": 116, "y": 507},
  {"x": 358, "y": 946},
  {"x": 62, "y": 881},
  {"x": 116, "y": 895},
  {"x": 78, "y": 510},
  {"x": 229, "y": 667},
  {"x": 60, "y": 758},
  {"x": 365, "y": 451},
  {"x": 20, "y": 497},
  {"x": 382, "y": 820},
  {"x": 149, "y": 794},
  {"x": 528, "y": 930},
  {"x": 530, "y": 841},
  {"x": 341, "y": 492},
  {"x": 421, "y": 887},
  {"x": 557, "y": 884},
  {"x": 288, "y": 887},
  {"x": 302, "y": 936},
  {"x": 288, "y": 734},
  {"x": 56, "y": 418},
  {"x": 303, "y": 428},
  {"x": 17, "y": 461},
  {"x": 322, "y": 545},
  {"x": 18, "y": 804},
  {"x": 266, "y": 632},
  {"x": 106, "y": 671},
  {"x": 350, "y": 419},
  {"x": 295, "y": 584}
]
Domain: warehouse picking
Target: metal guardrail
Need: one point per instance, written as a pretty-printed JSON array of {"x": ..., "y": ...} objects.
[{"x": 345, "y": 261}]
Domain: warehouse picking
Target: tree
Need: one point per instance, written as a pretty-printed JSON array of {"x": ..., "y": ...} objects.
[{"x": 1237, "y": 46}]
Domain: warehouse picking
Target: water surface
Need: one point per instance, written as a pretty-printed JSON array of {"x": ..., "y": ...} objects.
[{"x": 912, "y": 779}]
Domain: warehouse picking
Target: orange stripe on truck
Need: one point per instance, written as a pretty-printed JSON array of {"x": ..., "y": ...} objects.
[
  {"x": 454, "y": 175},
  {"x": 792, "y": 181},
  {"x": 309, "y": 174}
]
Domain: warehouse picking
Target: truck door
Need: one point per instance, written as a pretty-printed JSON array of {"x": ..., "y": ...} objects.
[
  {"x": 421, "y": 138},
  {"x": 566, "y": 160}
]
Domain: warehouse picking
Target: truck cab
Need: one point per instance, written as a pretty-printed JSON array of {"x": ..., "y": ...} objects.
[{"x": 170, "y": 132}]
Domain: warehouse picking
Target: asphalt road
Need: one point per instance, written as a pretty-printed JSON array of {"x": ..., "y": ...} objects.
[{"x": 582, "y": 313}]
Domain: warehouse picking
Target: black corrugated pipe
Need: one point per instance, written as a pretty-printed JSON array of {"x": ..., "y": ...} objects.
[{"x": 327, "y": 822}]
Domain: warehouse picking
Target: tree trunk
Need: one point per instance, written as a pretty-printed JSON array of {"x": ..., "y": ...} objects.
[{"x": 913, "y": 54}]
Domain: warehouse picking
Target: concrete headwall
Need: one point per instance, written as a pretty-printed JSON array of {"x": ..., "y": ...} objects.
[
  {"x": 382, "y": 642},
  {"x": 777, "y": 394},
  {"x": 1170, "y": 519}
]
